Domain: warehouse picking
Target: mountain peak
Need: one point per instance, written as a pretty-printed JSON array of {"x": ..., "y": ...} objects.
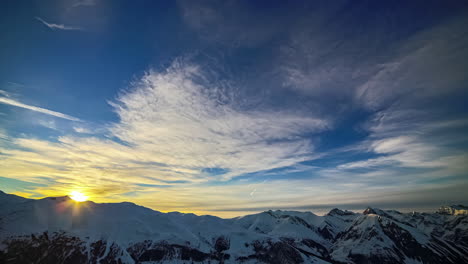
[
  {"x": 453, "y": 210},
  {"x": 57, "y": 199},
  {"x": 377, "y": 211},
  {"x": 336, "y": 211}
]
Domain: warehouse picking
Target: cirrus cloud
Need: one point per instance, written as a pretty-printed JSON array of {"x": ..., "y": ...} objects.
[
  {"x": 178, "y": 116},
  {"x": 173, "y": 131},
  {"x": 57, "y": 26}
]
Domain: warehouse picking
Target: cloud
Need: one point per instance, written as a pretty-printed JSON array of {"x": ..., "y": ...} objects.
[
  {"x": 372, "y": 63},
  {"x": 57, "y": 26},
  {"x": 179, "y": 116},
  {"x": 81, "y": 129},
  {"x": 407, "y": 138},
  {"x": 174, "y": 129},
  {"x": 9, "y": 101},
  {"x": 47, "y": 123},
  {"x": 4, "y": 93},
  {"x": 423, "y": 65},
  {"x": 402, "y": 84},
  {"x": 230, "y": 23},
  {"x": 79, "y": 3},
  {"x": 3, "y": 135}
]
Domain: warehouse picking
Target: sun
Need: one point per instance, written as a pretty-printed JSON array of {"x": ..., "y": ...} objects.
[{"x": 78, "y": 196}]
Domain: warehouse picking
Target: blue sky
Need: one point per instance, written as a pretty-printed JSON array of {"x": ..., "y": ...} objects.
[{"x": 237, "y": 106}]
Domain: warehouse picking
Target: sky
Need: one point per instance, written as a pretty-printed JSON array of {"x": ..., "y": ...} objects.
[{"x": 235, "y": 107}]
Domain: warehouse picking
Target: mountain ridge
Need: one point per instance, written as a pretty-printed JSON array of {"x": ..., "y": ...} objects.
[{"x": 60, "y": 230}]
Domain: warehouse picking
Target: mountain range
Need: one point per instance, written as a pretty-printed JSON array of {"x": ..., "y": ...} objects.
[{"x": 61, "y": 230}]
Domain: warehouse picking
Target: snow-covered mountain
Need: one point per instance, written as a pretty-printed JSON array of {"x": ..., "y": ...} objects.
[
  {"x": 454, "y": 210},
  {"x": 60, "y": 230}
]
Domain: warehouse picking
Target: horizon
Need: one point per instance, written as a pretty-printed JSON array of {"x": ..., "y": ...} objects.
[
  {"x": 224, "y": 108},
  {"x": 319, "y": 212}
]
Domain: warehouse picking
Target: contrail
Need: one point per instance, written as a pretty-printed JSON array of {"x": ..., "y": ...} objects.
[{"x": 9, "y": 101}]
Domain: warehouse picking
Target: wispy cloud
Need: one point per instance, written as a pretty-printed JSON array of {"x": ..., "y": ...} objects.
[
  {"x": 4, "y": 93},
  {"x": 81, "y": 129},
  {"x": 230, "y": 23},
  {"x": 414, "y": 73},
  {"x": 57, "y": 26},
  {"x": 402, "y": 91},
  {"x": 47, "y": 123},
  {"x": 79, "y": 3},
  {"x": 173, "y": 128},
  {"x": 12, "y": 102},
  {"x": 177, "y": 115},
  {"x": 408, "y": 147}
]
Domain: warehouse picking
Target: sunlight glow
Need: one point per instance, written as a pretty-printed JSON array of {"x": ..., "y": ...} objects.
[{"x": 78, "y": 196}]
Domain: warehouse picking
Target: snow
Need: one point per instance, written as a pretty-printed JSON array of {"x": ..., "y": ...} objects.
[
  {"x": 454, "y": 210},
  {"x": 126, "y": 224}
]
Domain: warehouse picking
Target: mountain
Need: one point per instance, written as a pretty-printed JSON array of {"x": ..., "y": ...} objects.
[
  {"x": 454, "y": 210},
  {"x": 60, "y": 230}
]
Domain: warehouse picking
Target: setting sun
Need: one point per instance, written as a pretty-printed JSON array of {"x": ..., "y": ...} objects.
[{"x": 77, "y": 196}]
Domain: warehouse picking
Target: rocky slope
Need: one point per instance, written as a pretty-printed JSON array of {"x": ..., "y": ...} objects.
[{"x": 59, "y": 230}]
